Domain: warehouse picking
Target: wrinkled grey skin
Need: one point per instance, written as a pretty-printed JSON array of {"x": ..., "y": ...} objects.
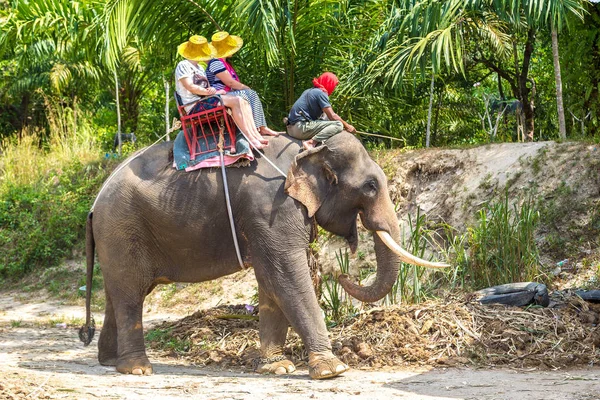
[{"x": 172, "y": 226}]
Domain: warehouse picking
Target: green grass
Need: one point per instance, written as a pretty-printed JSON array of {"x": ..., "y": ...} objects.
[
  {"x": 502, "y": 245},
  {"x": 336, "y": 303},
  {"x": 539, "y": 160},
  {"x": 562, "y": 218},
  {"x": 53, "y": 321},
  {"x": 162, "y": 339},
  {"x": 61, "y": 282},
  {"x": 412, "y": 285}
]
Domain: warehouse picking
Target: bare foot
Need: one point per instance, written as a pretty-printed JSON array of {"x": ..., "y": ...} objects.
[
  {"x": 258, "y": 145},
  {"x": 309, "y": 144},
  {"x": 255, "y": 144},
  {"x": 264, "y": 130}
]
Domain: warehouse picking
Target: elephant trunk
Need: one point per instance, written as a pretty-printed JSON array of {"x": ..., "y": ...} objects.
[
  {"x": 389, "y": 255},
  {"x": 388, "y": 264}
]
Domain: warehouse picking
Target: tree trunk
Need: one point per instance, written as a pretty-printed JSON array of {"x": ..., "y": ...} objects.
[
  {"x": 167, "y": 96},
  {"x": 529, "y": 120},
  {"x": 118, "y": 110},
  {"x": 527, "y": 95},
  {"x": 23, "y": 112},
  {"x": 130, "y": 98},
  {"x": 428, "y": 134},
  {"x": 74, "y": 116},
  {"x": 562, "y": 129},
  {"x": 436, "y": 118}
]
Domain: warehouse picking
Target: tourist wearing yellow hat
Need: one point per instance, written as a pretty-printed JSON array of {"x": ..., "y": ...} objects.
[
  {"x": 192, "y": 84},
  {"x": 221, "y": 75}
]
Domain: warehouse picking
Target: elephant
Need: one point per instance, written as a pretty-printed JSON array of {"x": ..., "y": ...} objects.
[{"x": 173, "y": 226}]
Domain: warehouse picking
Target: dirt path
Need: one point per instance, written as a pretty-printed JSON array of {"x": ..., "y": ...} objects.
[{"x": 40, "y": 359}]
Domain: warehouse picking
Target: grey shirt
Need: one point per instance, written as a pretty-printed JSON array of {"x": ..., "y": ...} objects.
[{"x": 309, "y": 106}]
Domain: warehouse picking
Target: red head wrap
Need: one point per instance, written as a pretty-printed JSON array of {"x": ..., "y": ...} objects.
[{"x": 326, "y": 82}]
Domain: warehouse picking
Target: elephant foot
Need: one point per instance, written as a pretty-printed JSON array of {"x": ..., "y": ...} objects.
[
  {"x": 135, "y": 366},
  {"x": 323, "y": 365},
  {"x": 107, "y": 360},
  {"x": 276, "y": 365}
]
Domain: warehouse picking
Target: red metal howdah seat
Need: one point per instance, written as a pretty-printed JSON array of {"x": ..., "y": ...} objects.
[{"x": 201, "y": 130}]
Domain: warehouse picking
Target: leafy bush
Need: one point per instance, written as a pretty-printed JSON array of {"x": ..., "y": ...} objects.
[
  {"x": 42, "y": 222},
  {"x": 46, "y": 190}
]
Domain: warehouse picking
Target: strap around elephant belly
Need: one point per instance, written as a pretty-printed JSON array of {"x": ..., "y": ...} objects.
[{"x": 228, "y": 203}]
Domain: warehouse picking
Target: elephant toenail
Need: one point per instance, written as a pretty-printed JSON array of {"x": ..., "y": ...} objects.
[
  {"x": 291, "y": 368},
  {"x": 341, "y": 368},
  {"x": 148, "y": 371},
  {"x": 137, "y": 371},
  {"x": 280, "y": 371},
  {"x": 326, "y": 372}
]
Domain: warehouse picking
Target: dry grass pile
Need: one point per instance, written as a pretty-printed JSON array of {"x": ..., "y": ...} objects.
[
  {"x": 224, "y": 335},
  {"x": 14, "y": 388},
  {"x": 432, "y": 333},
  {"x": 539, "y": 337}
]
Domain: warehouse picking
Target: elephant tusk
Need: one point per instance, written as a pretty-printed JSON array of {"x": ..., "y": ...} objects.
[{"x": 405, "y": 255}]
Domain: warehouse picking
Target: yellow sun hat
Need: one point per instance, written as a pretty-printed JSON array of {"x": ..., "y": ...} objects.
[
  {"x": 226, "y": 44},
  {"x": 197, "y": 49}
]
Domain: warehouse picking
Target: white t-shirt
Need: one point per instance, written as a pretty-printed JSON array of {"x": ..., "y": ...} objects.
[{"x": 186, "y": 69}]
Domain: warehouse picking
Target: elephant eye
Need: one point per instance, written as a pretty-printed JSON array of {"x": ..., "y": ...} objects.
[{"x": 370, "y": 187}]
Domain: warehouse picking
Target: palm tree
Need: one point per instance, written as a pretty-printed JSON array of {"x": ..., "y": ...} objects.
[
  {"x": 53, "y": 44},
  {"x": 558, "y": 18},
  {"x": 499, "y": 34},
  {"x": 286, "y": 42}
]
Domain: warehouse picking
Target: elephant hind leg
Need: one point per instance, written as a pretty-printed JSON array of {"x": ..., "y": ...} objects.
[
  {"x": 132, "y": 357},
  {"x": 107, "y": 343},
  {"x": 126, "y": 303},
  {"x": 273, "y": 332}
]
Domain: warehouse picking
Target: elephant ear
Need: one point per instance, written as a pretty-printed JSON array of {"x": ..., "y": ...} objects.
[{"x": 310, "y": 178}]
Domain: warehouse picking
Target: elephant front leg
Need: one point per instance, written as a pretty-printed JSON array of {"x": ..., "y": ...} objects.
[
  {"x": 273, "y": 328},
  {"x": 324, "y": 364},
  {"x": 291, "y": 297}
]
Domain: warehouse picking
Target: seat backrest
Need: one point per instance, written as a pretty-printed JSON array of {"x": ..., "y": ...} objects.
[
  {"x": 179, "y": 104},
  {"x": 177, "y": 99}
]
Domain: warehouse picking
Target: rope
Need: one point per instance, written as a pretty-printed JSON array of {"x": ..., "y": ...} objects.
[
  {"x": 381, "y": 136},
  {"x": 263, "y": 154},
  {"x": 258, "y": 150},
  {"x": 227, "y": 200},
  {"x": 173, "y": 128}
]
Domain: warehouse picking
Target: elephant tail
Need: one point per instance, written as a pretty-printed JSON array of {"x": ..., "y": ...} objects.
[{"x": 86, "y": 332}]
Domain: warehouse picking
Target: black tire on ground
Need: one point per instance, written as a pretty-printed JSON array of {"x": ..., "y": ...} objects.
[
  {"x": 593, "y": 296},
  {"x": 516, "y": 294}
]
